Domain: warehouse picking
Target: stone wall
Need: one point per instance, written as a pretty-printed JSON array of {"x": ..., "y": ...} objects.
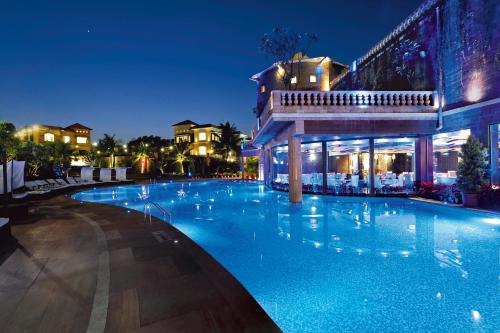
[{"x": 467, "y": 45}]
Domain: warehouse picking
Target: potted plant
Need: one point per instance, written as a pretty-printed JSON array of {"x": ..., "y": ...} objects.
[{"x": 471, "y": 171}]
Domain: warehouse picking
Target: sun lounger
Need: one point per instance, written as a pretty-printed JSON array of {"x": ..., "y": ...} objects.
[
  {"x": 121, "y": 175},
  {"x": 72, "y": 181}
]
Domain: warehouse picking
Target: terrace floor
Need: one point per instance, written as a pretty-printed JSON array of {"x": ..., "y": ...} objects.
[{"x": 95, "y": 268}]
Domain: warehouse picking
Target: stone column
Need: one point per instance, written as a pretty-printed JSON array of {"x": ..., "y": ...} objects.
[
  {"x": 260, "y": 175},
  {"x": 242, "y": 167},
  {"x": 295, "y": 169},
  {"x": 371, "y": 176},
  {"x": 494, "y": 154},
  {"x": 424, "y": 159},
  {"x": 324, "y": 156}
]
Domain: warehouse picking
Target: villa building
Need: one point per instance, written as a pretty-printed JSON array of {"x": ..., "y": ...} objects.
[
  {"x": 396, "y": 117},
  {"x": 77, "y": 135},
  {"x": 201, "y": 138}
]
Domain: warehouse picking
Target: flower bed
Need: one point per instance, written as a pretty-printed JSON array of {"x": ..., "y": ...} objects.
[{"x": 441, "y": 192}]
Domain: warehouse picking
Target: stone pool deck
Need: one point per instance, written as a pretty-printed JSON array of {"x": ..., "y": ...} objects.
[{"x": 96, "y": 268}]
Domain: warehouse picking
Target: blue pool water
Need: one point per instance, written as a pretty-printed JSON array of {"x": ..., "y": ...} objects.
[{"x": 343, "y": 264}]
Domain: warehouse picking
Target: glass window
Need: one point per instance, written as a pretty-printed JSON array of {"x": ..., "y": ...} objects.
[
  {"x": 262, "y": 88},
  {"x": 202, "y": 150},
  {"x": 312, "y": 167},
  {"x": 394, "y": 163},
  {"x": 348, "y": 166},
  {"x": 446, "y": 148},
  {"x": 202, "y": 136},
  {"x": 312, "y": 78},
  {"x": 293, "y": 80},
  {"x": 279, "y": 167},
  {"x": 495, "y": 153},
  {"x": 66, "y": 139},
  {"x": 81, "y": 139},
  {"x": 48, "y": 137}
]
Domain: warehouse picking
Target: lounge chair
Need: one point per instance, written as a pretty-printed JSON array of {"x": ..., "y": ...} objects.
[
  {"x": 121, "y": 175},
  {"x": 105, "y": 175},
  {"x": 87, "y": 175},
  {"x": 72, "y": 181}
]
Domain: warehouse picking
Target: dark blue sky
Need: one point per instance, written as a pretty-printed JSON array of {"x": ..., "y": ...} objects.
[{"x": 145, "y": 65}]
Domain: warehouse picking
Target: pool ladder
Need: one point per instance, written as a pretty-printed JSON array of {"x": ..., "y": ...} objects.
[{"x": 167, "y": 216}]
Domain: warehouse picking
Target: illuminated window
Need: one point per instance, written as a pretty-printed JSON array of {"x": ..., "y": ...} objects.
[
  {"x": 293, "y": 80},
  {"x": 48, "y": 137},
  {"x": 81, "y": 140},
  {"x": 202, "y": 150},
  {"x": 202, "y": 136},
  {"x": 312, "y": 78},
  {"x": 66, "y": 139},
  {"x": 262, "y": 88}
]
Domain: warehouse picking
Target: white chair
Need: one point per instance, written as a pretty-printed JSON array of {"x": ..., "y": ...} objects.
[
  {"x": 121, "y": 174},
  {"x": 378, "y": 184},
  {"x": 87, "y": 175},
  {"x": 105, "y": 175},
  {"x": 355, "y": 182}
]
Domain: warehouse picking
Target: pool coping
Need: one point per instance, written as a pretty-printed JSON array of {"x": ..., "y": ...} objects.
[{"x": 241, "y": 311}]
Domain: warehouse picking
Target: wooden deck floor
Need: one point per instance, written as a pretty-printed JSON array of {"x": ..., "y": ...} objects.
[{"x": 95, "y": 268}]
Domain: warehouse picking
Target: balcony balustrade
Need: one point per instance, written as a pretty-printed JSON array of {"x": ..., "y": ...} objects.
[{"x": 349, "y": 102}]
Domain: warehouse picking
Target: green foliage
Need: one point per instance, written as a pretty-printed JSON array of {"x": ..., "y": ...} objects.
[
  {"x": 181, "y": 154},
  {"x": 35, "y": 155},
  {"x": 60, "y": 153},
  {"x": 252, "y": 166},
  {"x": 229, "y": 141},
  {"x": 471, "y": 171},
  {"x": 8, "y": 140}
]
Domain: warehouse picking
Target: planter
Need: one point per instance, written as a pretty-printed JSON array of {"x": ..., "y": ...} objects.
[{"x": 470, "y": 199}]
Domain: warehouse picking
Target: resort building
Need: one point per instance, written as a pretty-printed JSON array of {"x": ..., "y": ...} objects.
[
  {"x": 77, "y": 135},
  {"x": 201, "y": 138},
  {"x": 397, "y": 117}
]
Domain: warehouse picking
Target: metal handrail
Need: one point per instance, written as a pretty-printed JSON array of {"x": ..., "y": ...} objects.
[{"x": 149, "y": 203}]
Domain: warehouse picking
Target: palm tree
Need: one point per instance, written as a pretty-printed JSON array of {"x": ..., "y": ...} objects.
[
  {"x": 109, "y": 145},
  {"x": 229, "y": 141},
  {"x": 143, "y": 153},
  {"x": 181, "y": 154}
]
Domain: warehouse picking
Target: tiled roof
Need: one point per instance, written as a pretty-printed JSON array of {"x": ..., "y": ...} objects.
[{"x": 185, "y": 122}]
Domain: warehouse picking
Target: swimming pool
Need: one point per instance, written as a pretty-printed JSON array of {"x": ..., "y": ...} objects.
[{"x": 343, "y": 264}]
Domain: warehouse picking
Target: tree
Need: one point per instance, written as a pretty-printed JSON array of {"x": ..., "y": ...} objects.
[
  {"x": 109, "y": 146},
  {"x": 286, "y": 48},
  {"x": 229, "y": 141},
  {"x": 35, "y": 155},
  {"x": 181, "y": 154},
  {"x": 142, "y": 153},
  {"x": 8, "y": 143},
  {"x": 252, "y": 166},
  {"x": 471, "y": 170},
  {"x": 60, "y": 155}
]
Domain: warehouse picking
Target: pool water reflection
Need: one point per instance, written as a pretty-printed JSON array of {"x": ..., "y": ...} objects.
[{"x": 350, "y": 264}]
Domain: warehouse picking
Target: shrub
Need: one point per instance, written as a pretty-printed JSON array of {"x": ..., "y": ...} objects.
[{"x": 471, "y": 170}]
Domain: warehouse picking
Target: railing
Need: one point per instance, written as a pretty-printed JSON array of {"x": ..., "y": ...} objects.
[
  {"x": 353, "y": 98},
  {"x": 147, "y": 208}
]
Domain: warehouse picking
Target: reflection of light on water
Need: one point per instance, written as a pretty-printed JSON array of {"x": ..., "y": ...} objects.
[
  {"x": 476, "y": 315},
  {"x": 494, "y": 221},
  {"x": 439, "y": 296},
  {"x": 384, "y": 254},
  {"x": 317, "y": 245},
  {"x": 405, "y": 254}
]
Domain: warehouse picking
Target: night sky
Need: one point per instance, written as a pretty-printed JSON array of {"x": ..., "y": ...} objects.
[{"x": 135, "y": 67}]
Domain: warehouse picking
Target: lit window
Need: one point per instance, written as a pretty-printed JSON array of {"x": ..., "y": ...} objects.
[
  {"x": 293, "y": 80},
  {"x": 202, "y": 150},
  {"x": 202, "y": 136},
  {"x": 48, "y": 137},
  {"x": 262, "y": 88},
  {"x": 81, "y": 140},
  {"x": 312, "y": 78},
  {"x": 66, "y": 139}
]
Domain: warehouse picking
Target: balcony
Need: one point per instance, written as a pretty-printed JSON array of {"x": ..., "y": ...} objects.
[{"x": 285, "y": 107}]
